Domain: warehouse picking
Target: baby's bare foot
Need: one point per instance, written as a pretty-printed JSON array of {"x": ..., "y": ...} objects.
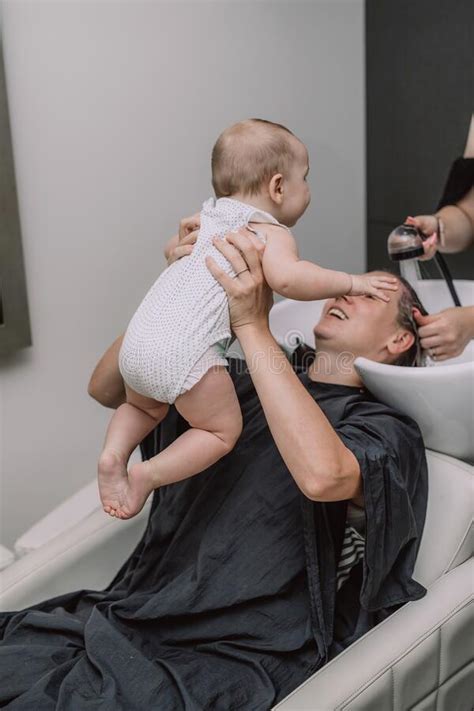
[
  {"x": 112, "y": 479},
  {"x": 136, "y": 491}
]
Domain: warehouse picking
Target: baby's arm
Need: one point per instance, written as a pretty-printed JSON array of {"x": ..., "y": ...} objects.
[{"x": 299, "y": 279}]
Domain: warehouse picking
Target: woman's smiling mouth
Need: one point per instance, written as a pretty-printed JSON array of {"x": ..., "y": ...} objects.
[{"x": 338, "y": 313}]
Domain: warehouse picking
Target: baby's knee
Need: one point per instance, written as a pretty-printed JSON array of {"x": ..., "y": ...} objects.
[{"x": 233, "y": 431}]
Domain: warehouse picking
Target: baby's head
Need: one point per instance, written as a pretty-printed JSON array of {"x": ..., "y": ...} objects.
[{"x": 263, "y": 163}]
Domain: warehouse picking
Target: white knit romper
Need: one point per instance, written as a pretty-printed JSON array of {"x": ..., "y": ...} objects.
[{"x": 174, "y": 336}]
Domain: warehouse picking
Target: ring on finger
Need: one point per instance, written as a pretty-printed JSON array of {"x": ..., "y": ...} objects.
[{"x": 241, "y": 272}]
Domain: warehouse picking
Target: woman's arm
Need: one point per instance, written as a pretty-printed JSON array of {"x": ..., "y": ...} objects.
[
  {"x": 106, "y": 384},
  {"x": 322, "y": 466}
]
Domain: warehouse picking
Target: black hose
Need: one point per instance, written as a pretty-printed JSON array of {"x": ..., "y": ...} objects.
[{"x": 443, "y": 268}]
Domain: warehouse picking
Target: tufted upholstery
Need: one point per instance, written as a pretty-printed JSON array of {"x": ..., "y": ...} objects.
[{"x": 418, "y": 658}]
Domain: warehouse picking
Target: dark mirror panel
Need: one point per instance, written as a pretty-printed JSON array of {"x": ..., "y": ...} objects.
[
  {"x": 2, "y": 322},
  {"x": 420, "y": 97},
  {"x": 14, "y": 318}
]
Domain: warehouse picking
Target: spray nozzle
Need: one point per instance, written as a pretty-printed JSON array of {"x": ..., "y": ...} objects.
[{"x": 405, "y": 242}]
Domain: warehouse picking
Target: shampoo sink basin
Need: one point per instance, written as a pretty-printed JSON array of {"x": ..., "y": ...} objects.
[{"x": 440, "y": 397}]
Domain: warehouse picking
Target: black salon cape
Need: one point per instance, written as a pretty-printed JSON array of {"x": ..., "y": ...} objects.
[{"x": 228, "y": 601}]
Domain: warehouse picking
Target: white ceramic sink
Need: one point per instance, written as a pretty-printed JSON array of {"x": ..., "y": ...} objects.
[{"x": 440, "y": 397}]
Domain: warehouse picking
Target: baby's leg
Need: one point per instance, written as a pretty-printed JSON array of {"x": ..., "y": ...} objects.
[
  {"x": 131, "y": 422},
  {"x": 212, "y": 409}
]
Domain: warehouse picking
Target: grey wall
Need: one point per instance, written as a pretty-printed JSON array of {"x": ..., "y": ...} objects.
[
  {"x": 420, "y": 91},
  {"x": 114, "y": 110}
]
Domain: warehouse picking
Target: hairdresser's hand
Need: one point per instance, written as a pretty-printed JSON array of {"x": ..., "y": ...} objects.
[
  {"x": 182, "y": 244},
  {"x": 446, "y": 334},
  {"x": 250, "y": 297},
  {"x": 428, "y": 225}
]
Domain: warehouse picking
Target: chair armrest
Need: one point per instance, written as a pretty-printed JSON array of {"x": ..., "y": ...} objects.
[
  {"x": 420, "y": 652},
  {"x": 68, "y": 514},
  {"x": 6, "y": 557},
  {"x": 86, "y": 556}
]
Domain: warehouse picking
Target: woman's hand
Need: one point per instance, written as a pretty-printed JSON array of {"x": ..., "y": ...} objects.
[
  {"x": 182, "y": 244},
  {"x": 446, "y": 334},
  {"x": 428, "y": 225},
  {"x": 250, "y": 298}
]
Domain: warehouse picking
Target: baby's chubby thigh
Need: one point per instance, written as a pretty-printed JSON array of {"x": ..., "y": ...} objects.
[{"x": 212, "y": 405}]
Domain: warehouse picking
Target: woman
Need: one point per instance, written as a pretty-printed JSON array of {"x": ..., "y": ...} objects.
[
  {"x": 232, "y": 597},
  {"x": 450, "y": 229}
]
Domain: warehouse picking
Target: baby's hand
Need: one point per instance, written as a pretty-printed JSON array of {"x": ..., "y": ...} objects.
[{"x": 368, "y": 284}]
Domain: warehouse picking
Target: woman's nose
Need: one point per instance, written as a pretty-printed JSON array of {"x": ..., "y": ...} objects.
[{"x": 347, "y": 298}]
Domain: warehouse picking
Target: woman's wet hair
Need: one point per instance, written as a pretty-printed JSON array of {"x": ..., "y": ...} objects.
[{"x": 409, "y": 300}]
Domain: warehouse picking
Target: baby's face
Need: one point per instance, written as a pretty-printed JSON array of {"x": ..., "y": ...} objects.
[{"x": 296, "y": 196}]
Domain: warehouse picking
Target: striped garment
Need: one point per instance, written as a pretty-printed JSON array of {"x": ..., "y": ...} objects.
[{"x": 352, "y": 552}]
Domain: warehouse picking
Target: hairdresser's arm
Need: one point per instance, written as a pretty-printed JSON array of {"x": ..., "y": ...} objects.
[
  {"x": 322, "y": 466},
  {"x": 458, "y": 219},
  {"x": 458, "y": 224},
  {"x": 106, "y": 384}
]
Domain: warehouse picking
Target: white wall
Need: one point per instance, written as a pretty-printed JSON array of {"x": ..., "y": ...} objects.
[{"x": 114, "y": 109}]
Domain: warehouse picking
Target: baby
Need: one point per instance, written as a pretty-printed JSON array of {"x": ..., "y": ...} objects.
[{"x": 172, "y": 351}]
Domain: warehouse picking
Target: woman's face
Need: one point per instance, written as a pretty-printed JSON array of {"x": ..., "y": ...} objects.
[{"x": 363, "y": 326}]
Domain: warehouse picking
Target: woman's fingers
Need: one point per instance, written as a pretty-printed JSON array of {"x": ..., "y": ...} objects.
[
  {"x": 180, "y": 251},
  {"x": 231, "y": 252},
  {"x": 226, "y": 281},
  {"x": 244, "y": 243},
  {"x": 190, "y": 238},
  {"x": 184, "y": 247},
  {"x": 189, "y": 224}
]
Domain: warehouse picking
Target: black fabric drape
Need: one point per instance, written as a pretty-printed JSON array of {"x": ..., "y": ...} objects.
[{"x": 229, "y": 599}]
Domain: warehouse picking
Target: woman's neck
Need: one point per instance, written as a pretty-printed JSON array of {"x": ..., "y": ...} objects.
[{"x": 337, "y": 368}]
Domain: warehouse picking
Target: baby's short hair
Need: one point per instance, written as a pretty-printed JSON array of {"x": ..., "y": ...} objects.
[{"x": 249, "y": 153}]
